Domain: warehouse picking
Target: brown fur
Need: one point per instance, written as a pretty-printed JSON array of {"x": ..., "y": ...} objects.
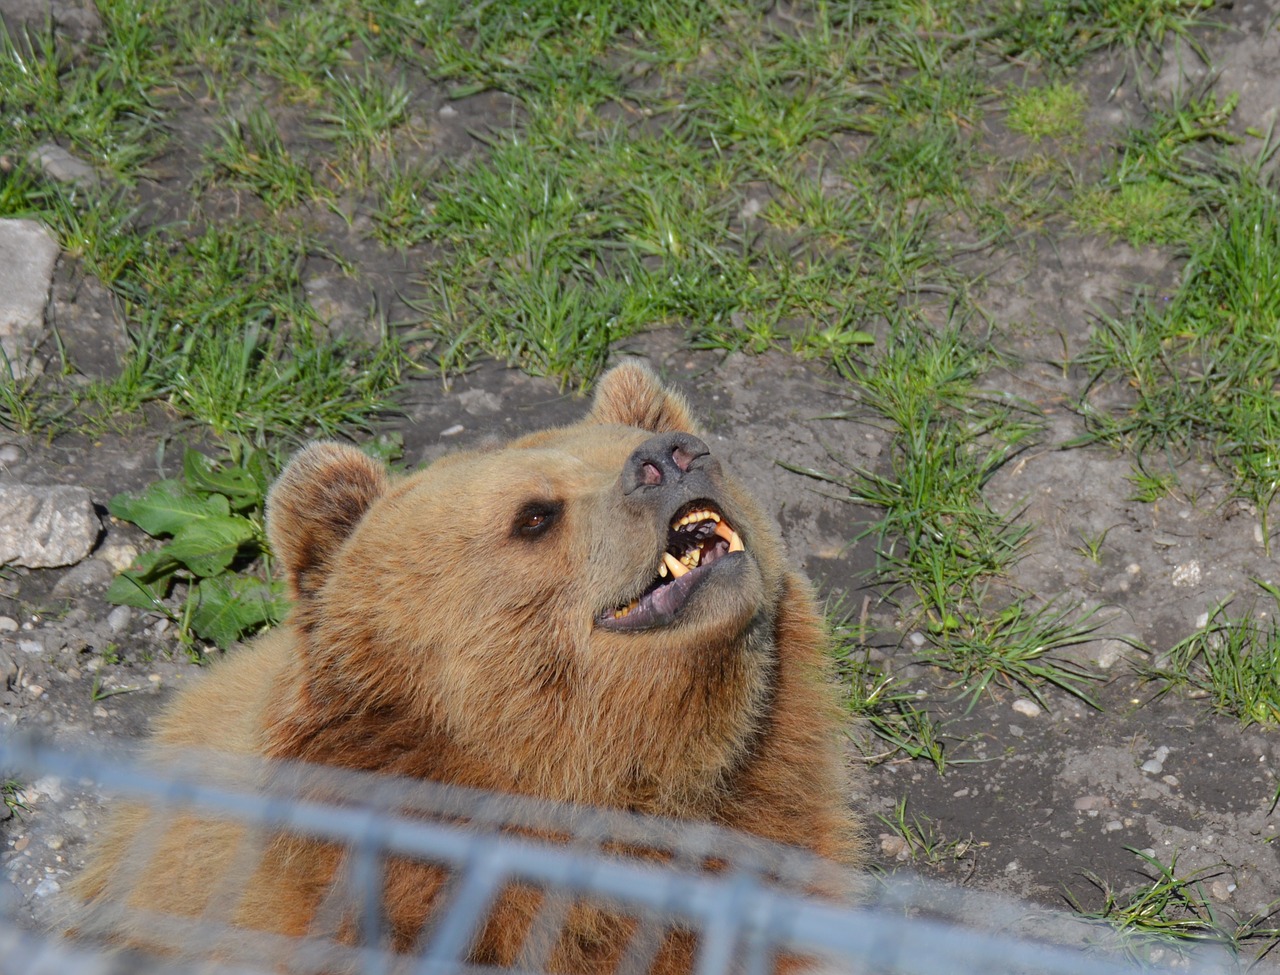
[{"x": 431, "y": 639}]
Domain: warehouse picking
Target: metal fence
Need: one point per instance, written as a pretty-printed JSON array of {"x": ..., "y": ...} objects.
[{"x": 743, "y": 901}]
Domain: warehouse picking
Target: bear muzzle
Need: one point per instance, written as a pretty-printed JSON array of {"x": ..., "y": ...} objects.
[{"x": 675, "y": 475}]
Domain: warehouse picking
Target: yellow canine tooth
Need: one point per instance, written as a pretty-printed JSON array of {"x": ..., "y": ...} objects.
[
  {"x": 735, "y": 543},
  {"x": 674, "y": 564}
]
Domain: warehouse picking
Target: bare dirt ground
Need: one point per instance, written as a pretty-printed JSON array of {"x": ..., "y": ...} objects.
[{"x": 1032, "y": 802}]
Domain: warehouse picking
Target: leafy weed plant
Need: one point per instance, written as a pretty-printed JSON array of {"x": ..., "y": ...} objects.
[{"x": 210, "y": 520}]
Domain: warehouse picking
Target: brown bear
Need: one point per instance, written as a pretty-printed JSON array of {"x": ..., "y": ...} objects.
[{"x": 597, "y": 613}]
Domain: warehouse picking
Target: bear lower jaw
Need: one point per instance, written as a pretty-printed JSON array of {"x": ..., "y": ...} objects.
[{"x": 662, "y": 606}]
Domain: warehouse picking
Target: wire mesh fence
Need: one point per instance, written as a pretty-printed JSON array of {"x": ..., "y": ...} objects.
[{"x": 735, "y": 903}]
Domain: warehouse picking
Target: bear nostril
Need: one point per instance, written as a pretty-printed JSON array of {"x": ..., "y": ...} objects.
[
  {"x": 683, "y": 457},
  {"x": 650, "y": 474}
]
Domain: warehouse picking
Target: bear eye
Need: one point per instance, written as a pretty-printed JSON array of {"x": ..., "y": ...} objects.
[{"x": 536, "y": 518}]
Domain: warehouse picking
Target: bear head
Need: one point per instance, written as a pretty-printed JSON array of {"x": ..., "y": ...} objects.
[{"x": 585, "y": 613}]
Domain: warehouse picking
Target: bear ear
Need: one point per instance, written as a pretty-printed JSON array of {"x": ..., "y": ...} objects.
[
  {"x": 630, "y": 394},
  {"x": 316, "y": 503}
]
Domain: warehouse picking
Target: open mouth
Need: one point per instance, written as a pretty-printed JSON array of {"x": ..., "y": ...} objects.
[{"x": 698, "y": 537}]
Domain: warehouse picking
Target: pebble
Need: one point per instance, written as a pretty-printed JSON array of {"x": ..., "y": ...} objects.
[
  {"x": 1086, "y": 803},
  {"x": 35, "y": 690},
  {"x": 1221, "y": 891},
  {"x": 1152, "y": 767},
  {"x": 8, "y": 624},
  {"x": 1016, "y": 730},
  {"x": 22, "y": 843},
  {"x": 55, "y": 841},
  {"x": 1187, "y": 574},
  {"x": 1027, "y": 707},
  {"x": 1162, "y": 753},
  {"x": 1112, "y": 826},
  {"x": 31, "y": 646},
  {"x": 916, "y": 639},
  {"x": 118, "y": 619},
  {"x": 452, "y": 431},
  {"x": 10, "y": 453},
  {"x": 1110, "y": 653},
  {"x": 893, "y": 846},
  {"x": 447, "y": 111},
  {"x": 1171, "y": 780},
  {"x": 119, "y": 556}
]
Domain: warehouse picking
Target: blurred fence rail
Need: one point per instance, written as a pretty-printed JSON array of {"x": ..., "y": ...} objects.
[{"x": 743, "y": 913}]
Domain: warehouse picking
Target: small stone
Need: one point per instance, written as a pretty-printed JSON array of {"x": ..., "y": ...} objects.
[
  {"x": 35, "y": 690},
  {"x": 1016, "y": 730},
  {"x": 1110, "y": 653},
  {"x": 1171, "y": 780},
  {"x": 1027, "y": 707},
  {"x": 8, "y": 624},
  {"x": 118, "y": 619},
  {"x": 750, "y": 209},
  {"x": 479, "y": 402},
  {"x": 452, "y": 431},
  {"x": 447, "y": 111},
  {"x": 1012, "y": 866},
  {"x": 88, "y": 575},
  {"x": 22, "y": 843},
  {"x": 1112, "y": 826},
  {"x": 55, "y": 841},
  {"x": 10, "y": 453},
  {"x": 892, "y": 846},
  {"x": 119, "y": 555},
  {"x": 1086, "y": 803},
  {"x": 1187, "y": 574},
  {"x": 1152, "y": 767},
  {"x": 1162, "y": 753},
  {"x": 31, "y": 646},
  {"x": 76, "y": 819},
  {"x": 1218, "y": 890},
  {"x": 28, "y": 253},
  {"x": 58, "y": 164},
  {"x": 43, "y": 526},
  {"x": 916, "y": 639}
]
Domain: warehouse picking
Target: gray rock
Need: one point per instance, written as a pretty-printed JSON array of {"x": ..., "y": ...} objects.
[
  {"x": 90, "y": 574},
  {"x": 58, "y": 164},
  {"x": 119, "y": 618},
  {"x": 28, "y": 253},
  {"x": 46, "y": 526}
]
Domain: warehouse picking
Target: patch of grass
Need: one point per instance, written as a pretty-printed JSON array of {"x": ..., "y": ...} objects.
[
  {"x": 897, "y": 717},
  {"x": 251, "y": 154},
  {"x": 10, "y": 790},
  {"x": 1169, "y": 912},
  {"x": 1158, "y": 211},
  {"x": 1054, "y": 111},
  {"x": 939, "y": 538},
  {"x": 1201, "y": 365},
  {"x": 924, "y": 842},
  {"x": 1234, "y": 660}
]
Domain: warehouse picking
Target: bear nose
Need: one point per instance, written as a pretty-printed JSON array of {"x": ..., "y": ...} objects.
[{"x": 666, "y": 459}]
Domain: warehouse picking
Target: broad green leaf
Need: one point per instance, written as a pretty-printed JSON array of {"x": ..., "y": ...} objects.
[
  {"x": 146, "y": 583},
  {"x": 208, "y": 546},
  {"x": 166, "y": 507},
  {"x": 229, "y": 607},
  {"x": 236, "y": 483}
]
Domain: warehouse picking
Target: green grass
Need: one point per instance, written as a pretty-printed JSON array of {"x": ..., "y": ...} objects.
[
  {"x": 810, "y": 180},
  {"x": 1051, "y": 112},
  {"x": 1233, "y": 661},
  {"x": 1201, "y": 363},
  {"x": 1169, "y": 911},
  {"x": 940, "y": 541}
]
